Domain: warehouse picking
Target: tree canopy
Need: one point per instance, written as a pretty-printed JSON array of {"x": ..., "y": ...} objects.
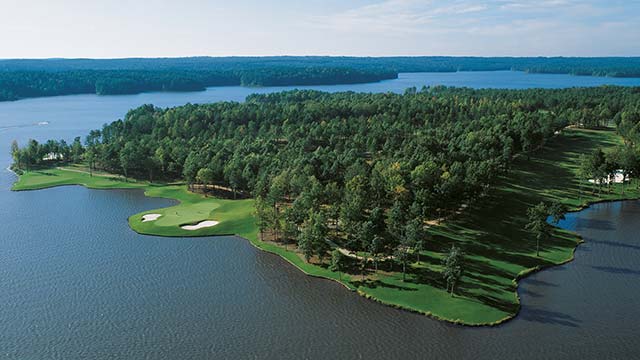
[{"x": 364, "y": 171}]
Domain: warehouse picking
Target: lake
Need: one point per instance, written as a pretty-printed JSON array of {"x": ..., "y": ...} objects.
[{"x": 77, "y": 283}]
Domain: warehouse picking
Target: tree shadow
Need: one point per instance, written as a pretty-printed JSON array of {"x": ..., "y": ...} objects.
[
  {"x": 617, "y": 270},
  {"x": 594, "y": 224},
  {"x": 427, "y": 276},
  {"x": 615, "y": 244},
  {"x": 530, "y": 293},
  {"x": 536, "y": 282},
  {"x": 485, "y": 299},
  {"x": 377, "y": 283},
  {"x": 549, "y": 317}
]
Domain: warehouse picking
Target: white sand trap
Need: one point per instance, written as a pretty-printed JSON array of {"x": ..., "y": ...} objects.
[
  {"x": 200, "y": 225},
  {"x": 150, "y": 217}
]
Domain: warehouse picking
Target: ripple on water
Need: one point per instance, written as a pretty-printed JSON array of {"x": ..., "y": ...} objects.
[{"x": 76, "y": 282}]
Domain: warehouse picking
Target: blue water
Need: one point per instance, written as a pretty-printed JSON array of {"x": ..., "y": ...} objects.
[
  {"x": 74, "y": 115},
  {"x": 77, "y": 283}
]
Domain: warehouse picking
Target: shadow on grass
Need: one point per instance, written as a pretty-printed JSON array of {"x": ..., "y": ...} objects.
[
  {"x": 492, "y": 230},
  {"x": 486, "y": 299},
  {"x": 427, "y": 276},
  {"x": 377, "y": 283}
]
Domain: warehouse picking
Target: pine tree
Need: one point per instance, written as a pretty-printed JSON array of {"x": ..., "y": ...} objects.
[{"x": 453, "y": 268}]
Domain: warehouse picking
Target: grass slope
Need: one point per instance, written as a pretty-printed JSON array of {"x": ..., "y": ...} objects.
[
  {"x": 490, "y": 232},
  {"x": 72, "y": 175}
]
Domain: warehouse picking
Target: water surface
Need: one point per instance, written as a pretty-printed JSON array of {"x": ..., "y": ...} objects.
[{"x": 77, "y": 283}]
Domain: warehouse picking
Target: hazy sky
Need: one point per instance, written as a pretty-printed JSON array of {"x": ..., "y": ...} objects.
[{"x": 118, "y": 28}]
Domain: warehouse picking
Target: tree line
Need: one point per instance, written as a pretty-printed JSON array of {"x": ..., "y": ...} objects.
[
  {"x": 23, "y": 78},
  {"x": 35, "y": 155},
  {"x": 16, "y": 85},
  {"x": 363, "y": 173},
  {"x": 595, "y": 66}
]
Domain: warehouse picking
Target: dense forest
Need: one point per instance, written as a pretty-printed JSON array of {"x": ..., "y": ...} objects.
[
  {"x": 365, "y": 170},
  {"x": 597, "y": 66},
  {"x": 33, "y": 78},
  {"x": 24, "y": 84}
]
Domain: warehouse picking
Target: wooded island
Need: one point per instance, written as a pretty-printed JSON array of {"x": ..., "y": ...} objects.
[{"x": 25, "y": 78}]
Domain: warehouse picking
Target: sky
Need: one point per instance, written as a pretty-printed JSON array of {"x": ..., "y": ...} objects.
[{"x": 170, "y": 28}]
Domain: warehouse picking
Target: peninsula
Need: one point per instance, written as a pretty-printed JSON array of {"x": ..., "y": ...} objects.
[{"x": 421, "y": 201}]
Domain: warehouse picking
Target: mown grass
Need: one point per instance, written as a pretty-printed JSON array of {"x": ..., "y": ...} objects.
[
  {"x": 490, "y": 232},
  {"x": 234, "y": 217},
  {"x": 72, "y": 175}
]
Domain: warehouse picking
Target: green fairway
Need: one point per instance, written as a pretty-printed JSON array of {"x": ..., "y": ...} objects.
[
  {"x": 72, "y": 175},
  {"x": 490, "y": 231},
  {"x": 235, "y": 217}
]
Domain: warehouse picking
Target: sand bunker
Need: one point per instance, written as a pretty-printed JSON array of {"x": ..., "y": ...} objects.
[
  {"x": 200, "y": 225},
  {"x": 150, "y": 217}
]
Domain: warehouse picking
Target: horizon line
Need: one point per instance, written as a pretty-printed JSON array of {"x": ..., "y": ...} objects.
[{"x": 328, "y": 56}]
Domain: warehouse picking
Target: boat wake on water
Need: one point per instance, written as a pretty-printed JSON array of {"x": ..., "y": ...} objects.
[{"x": 8, "y": 127}]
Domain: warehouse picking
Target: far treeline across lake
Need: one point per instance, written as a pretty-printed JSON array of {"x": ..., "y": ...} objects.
[
  {"x": 435, "y": 200},
  {"x": 25, "y": 78}
]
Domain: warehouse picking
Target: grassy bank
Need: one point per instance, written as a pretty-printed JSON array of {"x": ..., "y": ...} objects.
[
  {"x": 72, "y": 175},
  {"x": 490, "y": 232},
  {"x": 234, "y": 216}
]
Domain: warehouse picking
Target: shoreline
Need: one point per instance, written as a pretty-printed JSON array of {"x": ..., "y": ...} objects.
[
  {"x": 437, "y": 307},
  {"x": 263, "y": 246},
  {"x": 345, "y": 282}
]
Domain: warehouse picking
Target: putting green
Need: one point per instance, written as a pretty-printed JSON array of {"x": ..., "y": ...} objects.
[{"x": 234, "y": 217}]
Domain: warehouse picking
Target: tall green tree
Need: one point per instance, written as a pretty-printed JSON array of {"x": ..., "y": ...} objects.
[
  {"x": 375, "y": 248},
  {"x": 205, "y": 177},
  {"x": 263, "y": 215},
  {"x": 401, "y": 255},
  {"x": 338, "y": 262},
  {"x": 416, "y": 236},
  {"x": 453, "y": 268},
  {"x": 538, "y": 225},
  {"x": 557, "y": 210},
  {"x": 313, "y": 238},
  {"x": 15, "y": 153},
  {"x": 598, "y": 167},
  {"x": 77, "y": 150}
]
